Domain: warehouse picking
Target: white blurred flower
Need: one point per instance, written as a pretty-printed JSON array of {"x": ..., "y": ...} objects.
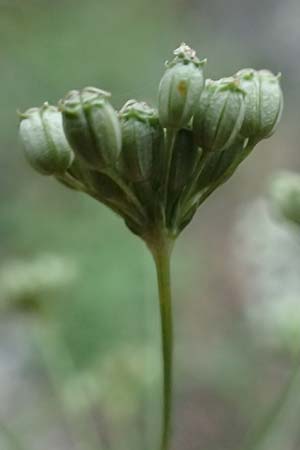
[
  {"x": 24, "y": 283},
  {"x": 268, "y": 253}
]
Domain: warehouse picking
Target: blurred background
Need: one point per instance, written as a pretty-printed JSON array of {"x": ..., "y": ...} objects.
[{"x": 79, "y": 325}]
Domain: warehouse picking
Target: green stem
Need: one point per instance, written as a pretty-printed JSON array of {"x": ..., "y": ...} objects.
[
  {"x": 170, "y": 141},
  {"x": 130, "y": 195},
  {"x": 230, "y": 171},
  {"x": 265, "y": 428},
  {"x": 161, "y": 250},
  {"x": 118, "y": 208},
  {"x": 191, "y": 187}
]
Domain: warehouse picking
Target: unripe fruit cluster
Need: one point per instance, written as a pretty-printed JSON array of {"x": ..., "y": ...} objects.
[{"x": 154, "y": 167}]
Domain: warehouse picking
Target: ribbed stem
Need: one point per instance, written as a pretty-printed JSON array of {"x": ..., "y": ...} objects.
[{"x": 161, "y": 250}]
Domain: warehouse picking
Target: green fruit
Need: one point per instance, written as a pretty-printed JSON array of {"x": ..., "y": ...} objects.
[
  {"x": 45, "y": 145},
  {"x": 92, "y": 127},
  {"x": 180, "y": 88},
  {"x": 219, "y": 115},
  {"x": 142, "y": 141},
  {"x": 263, "y": 103}
]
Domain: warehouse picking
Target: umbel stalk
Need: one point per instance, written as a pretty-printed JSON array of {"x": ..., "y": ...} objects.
[{"x": 161, "y": 249}]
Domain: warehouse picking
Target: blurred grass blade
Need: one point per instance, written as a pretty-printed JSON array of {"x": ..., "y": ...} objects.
[
  {"x": 264, "y": 430},
  {"x": 14, "y": 442}
]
